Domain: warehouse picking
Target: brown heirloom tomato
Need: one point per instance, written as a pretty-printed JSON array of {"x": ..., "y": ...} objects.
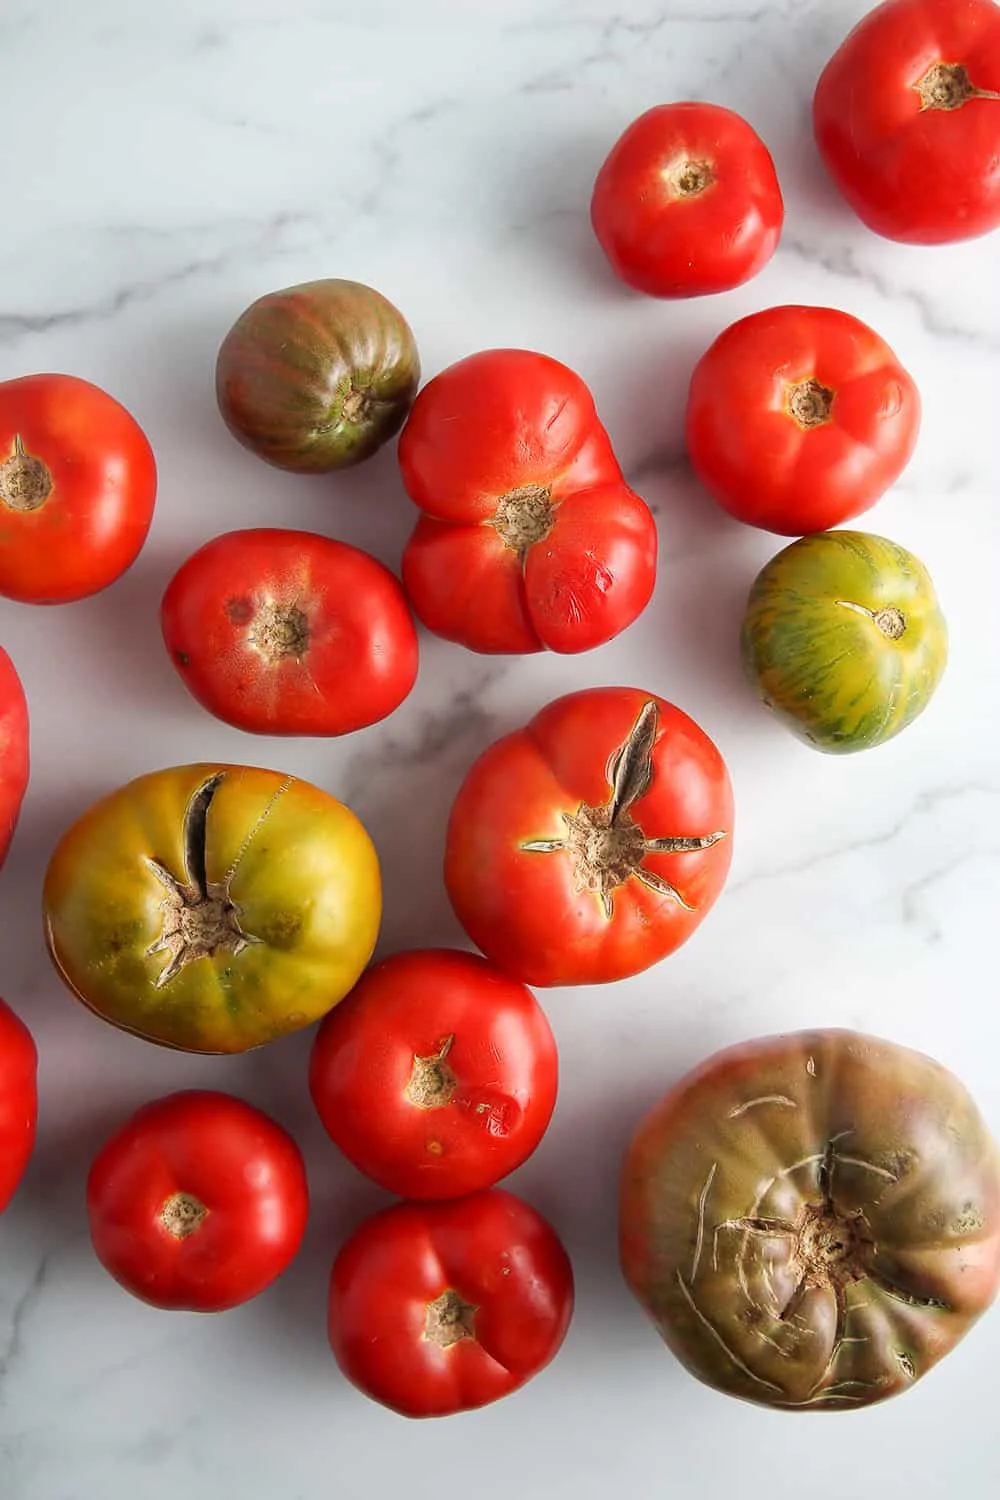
[
  {"x": 14, "y": 750},
  {"x": 18, "y": 1101},
  {"x": 318, "y": 376},
  {"x": 592, "y": 842},
  {"x": 812, "y": 1220},
  {"x": 213, "y": 908}
]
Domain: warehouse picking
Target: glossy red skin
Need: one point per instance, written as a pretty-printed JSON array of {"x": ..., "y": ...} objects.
[
  {"x": 925, "y": 176},
  {"x": 499, "y": 1047},
  {"x": 668, "y": 244},
  {"x": 362, "y": 654},
  {"x": 15, "y": 762},
  {"x": 94, "y": 522},
  {"x": 523, "y": 909},
  {"x": 497, "y": 1253},
  {"x": 242, "y": 1166},
  {"x": 755, "y": 458},
  {"x": 496, "y": 422},
  {"x": 18, "y": 1101}
]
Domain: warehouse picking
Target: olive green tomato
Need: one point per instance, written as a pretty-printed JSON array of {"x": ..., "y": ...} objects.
[
  {"x": 213, "y": 908},
  {"x": 844, "y": 640}
]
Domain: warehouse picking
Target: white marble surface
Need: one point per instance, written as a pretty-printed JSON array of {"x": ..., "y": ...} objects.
[{"x": 162, "y": 165}]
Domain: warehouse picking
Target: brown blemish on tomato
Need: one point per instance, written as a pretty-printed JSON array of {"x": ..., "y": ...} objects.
[
  {"x": 25, "y": 481},
  {"x": 239, "y": 611}
]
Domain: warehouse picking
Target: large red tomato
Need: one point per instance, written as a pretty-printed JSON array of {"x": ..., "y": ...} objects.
[
  {"x": 286, "y": 632},
  {"x": 77, "y": 488},
  {"x": 441, "y": 1307},
  {"x": 18, "y": 1101},
  {"x": 530, "y": 537},
  {"x": 799, "y": 418},
  {"x": 14, "y": 750},
  {"x": 592, "y": 842},
  {"x": 688, "y": 202},
  {"x": 437, "y": 1075},
  {"x": 907, "y": 119},
  {"x": 198, "y": 1202}
]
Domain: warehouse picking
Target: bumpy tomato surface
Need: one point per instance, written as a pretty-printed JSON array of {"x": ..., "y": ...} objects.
[
  {"x": 15, "y": 762},
  {"x": 907, "y": 119},
  {"x": 688, "y": 202},
  {"x": 437, "y": 1308},
  {"x": 799, "y": 418},
  {"x": 198, "y": 1202},
  {"x": 812, "y": 1220},
  {"x": 437, "y": 1075},
  {"x": 592, "y": 842},
  {"x": 212, "y": 907},
  {"x": 286, "y": 632},
  {"x": 18, "y": 1101},
  {"x": 77, "y": 489},
  {"x": 530, "y": 537}
]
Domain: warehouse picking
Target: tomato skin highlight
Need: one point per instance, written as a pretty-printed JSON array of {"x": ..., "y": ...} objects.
[
  {"x": 15, "y": 751},
  {"x": 197, "y": 1202},
  {"x": 437, "y": 1075},
  {"x": 688, "y": 202},
  {"x": 437, "y": 1308},
  {"x": 18, "y": 1101},
  {"x": 77, "y": 489}
]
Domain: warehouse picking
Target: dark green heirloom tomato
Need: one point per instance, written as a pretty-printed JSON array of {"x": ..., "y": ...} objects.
[
  {"x": 844, "y": 639},
  {"x": 318, "y": 376},
  {"x": 213, "y": 908},
  {"x": 812, "y": 1220}
]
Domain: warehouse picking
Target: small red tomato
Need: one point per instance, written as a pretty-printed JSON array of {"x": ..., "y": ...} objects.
[
  {"x": 18, "y": 1101},
  {"x": 437, "y": 1075},
  {"x": 907, "y": 119},
  {"x": 198, "y": 1202},
  {"x": 800, "y": 418},
  {"x": 77, "y": 488},
  {"x": 437, "y": 1308},
  {"x": 688, "y": 202},
  {"x": 530, "y": 537},
  {"x": 14, "y": 750},
  {"x": 286, "y": 632}
]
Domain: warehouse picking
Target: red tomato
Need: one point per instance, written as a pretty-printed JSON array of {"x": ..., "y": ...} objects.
[
  {"x": 18, "y": 1101},
  {"x": 530, "y": 536},
  {"x": 14, "y": 750},
  {"x": 592, "y": 842},
  {"x": 285, "y": 632},
  {"x": 907, "y": 119},
  {"x": 77, "y": 487},
  {"x": 688, "y": 202},
  {"x": 198, "y": 1202},
  {"x": 441, "y": 1307},
  {"x": 437, "y": 1075},
  {"x": 800, "y": 418}
]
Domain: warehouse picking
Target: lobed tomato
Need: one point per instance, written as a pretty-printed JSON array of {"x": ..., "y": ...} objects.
[
  {"x": 18, "y": 1101},
  {"x": 437, "y": 1075},
  {"x": 437, "y": 1308},
  {"x": 286, "y": 632},
  {"x": 77, "y": 489},
  {"x": 198, "y": 1202},
  {"x": 530, "y": 537},
  {"x": 15, "y": 759},
  {"x": 688, "y": 202},
  {"x": 799, "y": 418}
]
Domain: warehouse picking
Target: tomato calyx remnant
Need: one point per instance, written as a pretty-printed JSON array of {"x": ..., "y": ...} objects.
[
  {"x": 523, "y": 517},
  {"x": 199, "y": 917},
  {"x": 688, "y": 178},
  {"x": 948, "y": 86},
  {"x": 25, "y": 482},
  {"x": 432, "y": 1083},
  {"x": 605, "y": 843},
  {"x": 450, "y": 1319},
  {"x": 278, "y": 633},
  {"x": 356, "y": 406},
  {"x": 889, "y": 620},
  {"x": 182, "y": 1214},
  {"x": 809, "y": 403}
]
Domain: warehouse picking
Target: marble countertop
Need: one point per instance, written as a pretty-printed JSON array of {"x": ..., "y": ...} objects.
[{"x": 164, "y": 165}]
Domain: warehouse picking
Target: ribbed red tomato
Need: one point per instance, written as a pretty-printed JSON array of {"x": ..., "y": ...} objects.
[
  {"x": 18, "y": 1101},
  {"x": 15, "y": 764}
]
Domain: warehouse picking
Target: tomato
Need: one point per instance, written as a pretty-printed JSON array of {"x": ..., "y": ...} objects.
[
  {"x": 812, "y": 1220},
  {"x": 592, "y": 842},
  {"x": 437, "y": 1308},
  {"x": 286, "y": 632},
  {"x": 530, "y": 537},
  {"x": 18, "y": 1101},
  {"x": 907, "y": 119},
  {"x": 198, "y": 1202},
  {"x": 77, "y": 489},
  {"x": 213, "y": 908},
  {"x": 317, "y": 377},
  {"x": 799, "y": 418},
  {"x": 844, "y": 639},
  {"x": 437, "y": 1075},
  {"x": 15, "y": 762},
  {"x": 688, "y": 202}
]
